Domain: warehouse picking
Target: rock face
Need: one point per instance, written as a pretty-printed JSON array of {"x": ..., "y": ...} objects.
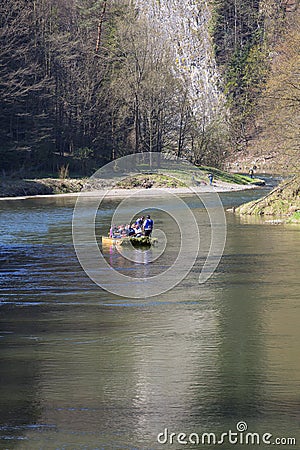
[{"x": 185, "y": 27}]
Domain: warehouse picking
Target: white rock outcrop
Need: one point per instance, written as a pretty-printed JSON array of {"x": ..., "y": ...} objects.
[{"x": 185, "y": 26}]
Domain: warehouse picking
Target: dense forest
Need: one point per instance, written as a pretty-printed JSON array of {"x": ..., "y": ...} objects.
[{"x": 83, "y": 82}]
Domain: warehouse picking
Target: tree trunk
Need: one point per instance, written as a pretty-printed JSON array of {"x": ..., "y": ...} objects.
[
  {"x": 136, "y": 125},
  {"x": 101, "y": 19}
]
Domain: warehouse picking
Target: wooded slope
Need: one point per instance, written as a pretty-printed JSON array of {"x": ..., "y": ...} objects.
[{"x": 82, "y": 83}]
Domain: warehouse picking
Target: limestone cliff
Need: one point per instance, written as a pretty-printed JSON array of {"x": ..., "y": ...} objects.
[{"x": 185, "y": 25}]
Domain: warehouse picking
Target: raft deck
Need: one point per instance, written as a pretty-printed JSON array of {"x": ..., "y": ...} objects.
[{"x": 143, "y": 241}]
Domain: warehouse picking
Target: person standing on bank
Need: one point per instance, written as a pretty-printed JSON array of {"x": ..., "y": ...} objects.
[{"x": 148, "y": 226}]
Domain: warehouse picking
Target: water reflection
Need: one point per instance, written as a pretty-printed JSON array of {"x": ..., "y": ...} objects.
[
  {"x": 20, "y": 405},
  {"x": 241, "y": 354},
  {"x": 82, "y": 368}
]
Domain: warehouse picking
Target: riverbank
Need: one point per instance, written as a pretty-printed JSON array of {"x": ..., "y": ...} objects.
[
  {"x": 182, "y": 183},
  {"x": 282, "y": 203},
  {"x": 36, "y": 187},
  {"x": 122, "y": 192}
]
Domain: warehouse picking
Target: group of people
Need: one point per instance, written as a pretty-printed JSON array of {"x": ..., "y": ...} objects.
[{"x": 143, "y": 226}]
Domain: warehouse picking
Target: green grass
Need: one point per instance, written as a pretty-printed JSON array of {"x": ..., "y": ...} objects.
[
  {"x": 150, "y": 180},
  {"x": 170, "y": 177},
  {"x": 227, "y": 177},
  {"x": 283, "y": 202},
  {"x": 295, "y": 218}
]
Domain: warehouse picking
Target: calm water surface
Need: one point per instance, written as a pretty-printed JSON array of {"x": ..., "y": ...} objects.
[{"x": 84, "y": 369}]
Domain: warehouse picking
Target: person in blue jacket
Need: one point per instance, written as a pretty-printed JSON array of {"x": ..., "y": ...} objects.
[
  {"x": 148, "y": 226},
  {"x": 139, "y": 222}
]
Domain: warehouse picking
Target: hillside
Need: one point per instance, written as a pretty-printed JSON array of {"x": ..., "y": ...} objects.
[
  {"x": 274, "y": 144},
  {"x": 83, "y": 83}
]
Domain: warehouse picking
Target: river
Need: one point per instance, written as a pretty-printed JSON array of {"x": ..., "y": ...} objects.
[{"x": 85, "y": 369}]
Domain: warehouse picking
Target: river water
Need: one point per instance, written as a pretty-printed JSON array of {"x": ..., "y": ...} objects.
[{"x": 85, "y": 369}]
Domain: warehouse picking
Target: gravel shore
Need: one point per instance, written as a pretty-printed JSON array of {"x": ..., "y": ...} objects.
[{"x": 122, "y": 193}]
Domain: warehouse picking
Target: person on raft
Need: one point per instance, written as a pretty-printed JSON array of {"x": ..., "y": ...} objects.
[
  {"x": 131, "y": 230},
  {"x": 118, "y": 231},
  {"x": 138, "y": 231},
  {"x": 113, "y": 231},
  {"x": 142, "y": 227},
  {"x": 148, "y": 226},
  {"x": 139, "y": 222}
]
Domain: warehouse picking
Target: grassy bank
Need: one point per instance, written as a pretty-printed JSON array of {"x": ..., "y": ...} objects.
[
  {"x": 44, "y": 186},
  {"x": 235, "y": 178},
  {"x": 282, "y": 202},
  {"x": 176, "y": 179},
  {"x": 167, "y": 179}
]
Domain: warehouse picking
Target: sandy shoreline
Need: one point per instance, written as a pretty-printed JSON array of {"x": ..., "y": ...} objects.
[{"x": 122, "y": 193}]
